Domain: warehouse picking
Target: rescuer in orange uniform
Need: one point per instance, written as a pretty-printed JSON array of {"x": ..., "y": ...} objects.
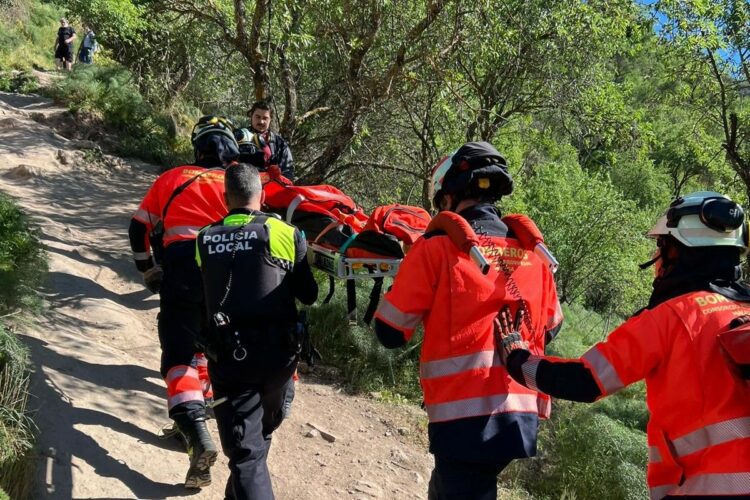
[
  {"x": 479, "y": 418},
  {"x": 699, "y": 430},
  {"x": 177, "y": 205}
]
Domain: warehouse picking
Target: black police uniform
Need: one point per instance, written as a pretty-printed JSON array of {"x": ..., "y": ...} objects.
[{"x": 254, "y": 266}]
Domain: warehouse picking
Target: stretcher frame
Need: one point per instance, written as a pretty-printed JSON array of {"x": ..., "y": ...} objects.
[{"x": 338, "y": 266}]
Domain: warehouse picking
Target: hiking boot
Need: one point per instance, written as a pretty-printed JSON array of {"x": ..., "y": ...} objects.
[{"x": 201, "y": 450}]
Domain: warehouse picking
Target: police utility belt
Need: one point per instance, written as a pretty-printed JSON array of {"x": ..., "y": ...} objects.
[{"x": 236, "y": 339}]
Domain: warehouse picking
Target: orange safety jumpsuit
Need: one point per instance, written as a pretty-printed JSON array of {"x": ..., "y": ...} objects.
[
  {"x": 181, "y": 318},
  {"x": 699, "y": 431},
  {"x": 472, "y": 403}
]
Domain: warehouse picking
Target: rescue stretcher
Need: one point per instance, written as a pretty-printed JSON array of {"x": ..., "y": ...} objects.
[{"x": 341, "y": 267}]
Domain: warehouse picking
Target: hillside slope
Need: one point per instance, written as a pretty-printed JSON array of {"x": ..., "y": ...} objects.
[{"x": 99, "y": 398}]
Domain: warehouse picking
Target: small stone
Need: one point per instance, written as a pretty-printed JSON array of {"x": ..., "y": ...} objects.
[
  {"x": 375, "y": 395},
  {"x": 23, "y": 172},
  {"x": 312, "y": 433},
  {"x": 417, "y": 477},
  {"x": 399, "y": 456},
  {"x": 368, "y": 488},
  {"x": 387, "y": 433},
  {"x": 404, "y": 431}
]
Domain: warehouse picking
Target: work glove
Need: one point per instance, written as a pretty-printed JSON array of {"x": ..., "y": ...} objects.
[
  {"x": 508, "y": 333},
  {"x": 152, "y": 278}
]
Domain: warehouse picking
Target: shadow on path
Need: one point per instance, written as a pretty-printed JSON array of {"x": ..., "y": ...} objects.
[{"x": 57, "y": 417}]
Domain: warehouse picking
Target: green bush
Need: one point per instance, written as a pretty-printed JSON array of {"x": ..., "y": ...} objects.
[
  {"x": 17, "y": 431},
  {"x": 27, "y": 35},
  {"x": 22, "y": 259},
  {"x": 365, "y": 365},
  {"x": 22, "y": 267},
  {"x": 108, "y": 93},
  {"x": 21, "y": 82},
  {"x": 588, "y": 451}
]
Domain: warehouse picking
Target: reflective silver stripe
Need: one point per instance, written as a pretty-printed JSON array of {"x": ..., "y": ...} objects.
[
  {"x": 474, "y": 407},
  {"x": 146, "y": 216},
  {"x": 654, "y": 456},
  {"x": 529, "y": 368},
  {"x": 394, "y": 316},
  {"x": 659, "y": 492},
  {"x": 184, "y": 397},
  {"x": 179, "y": 372},
  {"x": 604, "y": 370},
  {"x": 711, "y": 435},
  {"x": 293, "y": 206},
  {"x": 543, "y": 406},
  {"x": 557, "y": 318},
  {"x": 141, "y": 255},
  {"x": 730, "y": 483},
  {"x": 458, "y": 364},
  {"x": 199, "y": 359},
  {"x": 182, "y": 231}
]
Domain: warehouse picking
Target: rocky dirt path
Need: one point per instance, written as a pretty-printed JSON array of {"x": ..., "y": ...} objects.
[{"x": 98, "y": 396}]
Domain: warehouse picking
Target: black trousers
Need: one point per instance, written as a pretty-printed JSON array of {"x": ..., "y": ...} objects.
[
  {"x": 253, "y": 410},
  {"x": 455, "y": 480},
  {"x": 182, "y": 311}
]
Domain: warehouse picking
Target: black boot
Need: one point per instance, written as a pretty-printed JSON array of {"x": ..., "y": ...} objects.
[{"x": 201, "y": 449}]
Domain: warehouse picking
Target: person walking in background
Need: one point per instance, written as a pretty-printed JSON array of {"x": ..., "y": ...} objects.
[
  {"x": 690, "y": 344},
  {"x": 88, "y": 46},
  {"x": 66, "y": 35}
]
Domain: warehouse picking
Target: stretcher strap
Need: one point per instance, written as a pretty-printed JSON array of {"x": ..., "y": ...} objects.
[
  {"x": 351, "y": 301},
  {"x": 377, "y": 287},
  {"x": 331, "y": 289}
]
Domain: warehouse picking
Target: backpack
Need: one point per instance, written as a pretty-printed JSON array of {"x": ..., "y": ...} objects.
[
  {"x": 389, "y": 232},
  {"x": 324, "y": 213}
]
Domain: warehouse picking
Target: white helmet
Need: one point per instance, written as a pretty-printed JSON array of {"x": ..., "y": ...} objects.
[{"x": 704, "y": 219}]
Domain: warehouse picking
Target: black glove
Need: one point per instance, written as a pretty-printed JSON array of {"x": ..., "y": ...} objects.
[
  {"x": 152, "y": 277},
  {"x": 508, "y": 333}
]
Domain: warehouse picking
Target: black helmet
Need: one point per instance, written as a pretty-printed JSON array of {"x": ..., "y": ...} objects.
[
  {"x": 213, "y": 137},
  {"x": 476, "y": 168}
]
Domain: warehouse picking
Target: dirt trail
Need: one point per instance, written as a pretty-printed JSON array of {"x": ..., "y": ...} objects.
[{"x": 99, "y": 398}]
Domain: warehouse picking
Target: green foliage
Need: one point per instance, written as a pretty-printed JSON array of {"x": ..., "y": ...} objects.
[
  {"x": 595, "y": 233},
  {"x": 364, "y": 364},
  {"x": 22, "y": 259},
  {"x": 27, "y": 35},
  {"x": 19, "y": 82},
  {"x": 17, "y": 431},
  {"x": 108, "y": 92},
  {"x": 22, "y": 268},
  {"x": 588, "y": 451}
]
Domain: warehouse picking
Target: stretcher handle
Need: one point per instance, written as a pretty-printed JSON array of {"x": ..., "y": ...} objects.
[{"x": 476, "y": 255}]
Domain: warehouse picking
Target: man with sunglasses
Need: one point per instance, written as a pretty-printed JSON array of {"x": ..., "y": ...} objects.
[{"x": 689, "y": 344}]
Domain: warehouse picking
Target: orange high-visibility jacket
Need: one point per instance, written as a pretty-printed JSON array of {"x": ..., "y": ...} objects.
[
  {"x": 460, "y": 372},
  {"x": 699, "y": 431},
  {"x": 200, "y": 204}
]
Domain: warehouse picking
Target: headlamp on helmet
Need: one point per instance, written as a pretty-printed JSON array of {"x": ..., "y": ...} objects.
[
  {"x": 211, "y": 124},
  {"x": 704, "y": 219}
]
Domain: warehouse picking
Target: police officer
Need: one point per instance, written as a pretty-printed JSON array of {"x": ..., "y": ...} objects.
[
  {"x": 254, "y": 267},
  {"x": 699, "y": 430},
  {"x": 479, "y": 419},
  {"x": 177, "y": 205}
]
